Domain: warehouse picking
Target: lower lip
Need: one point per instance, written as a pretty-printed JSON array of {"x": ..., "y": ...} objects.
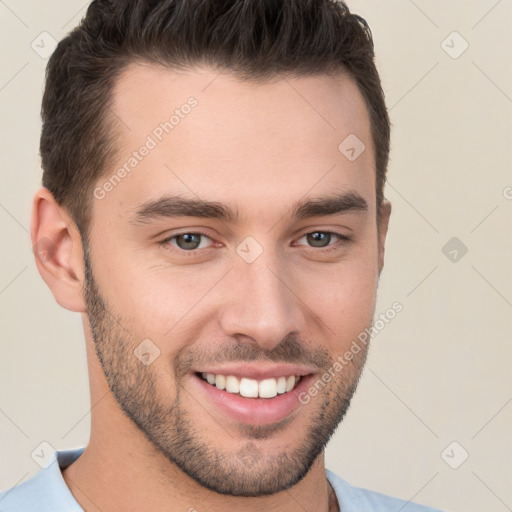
[{"x": 254, "y": 411}]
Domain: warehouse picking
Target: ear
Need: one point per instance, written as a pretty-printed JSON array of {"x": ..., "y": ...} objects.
[
  {"x": 58, "y": 252},
  {"x": 385, "y": 212}
]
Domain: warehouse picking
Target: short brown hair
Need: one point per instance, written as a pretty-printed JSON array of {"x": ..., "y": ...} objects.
[{"x": 255, "y": 40}]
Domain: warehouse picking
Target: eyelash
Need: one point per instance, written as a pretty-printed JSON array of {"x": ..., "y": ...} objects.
[{"x": 342, "y": 239}]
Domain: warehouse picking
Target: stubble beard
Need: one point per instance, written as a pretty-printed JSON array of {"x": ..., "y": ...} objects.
[{"x": 246, "y": 471}]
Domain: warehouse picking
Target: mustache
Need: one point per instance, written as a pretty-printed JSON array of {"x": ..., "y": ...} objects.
[{"x": 290, "y": 350}]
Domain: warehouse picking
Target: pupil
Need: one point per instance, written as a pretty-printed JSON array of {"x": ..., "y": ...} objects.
[
  {"x": 191, "y": 241},
  {"x": 319, "y": 236}
]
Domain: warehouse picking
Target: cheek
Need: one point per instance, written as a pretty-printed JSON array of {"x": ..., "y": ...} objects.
[
  {"x": 346, "y": 302},
  {"x": 165, "y": 303},
  {"x": 343, "y": 296}
]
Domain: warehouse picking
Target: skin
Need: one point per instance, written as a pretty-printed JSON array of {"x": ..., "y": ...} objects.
[{"x": 258, "y": 148}]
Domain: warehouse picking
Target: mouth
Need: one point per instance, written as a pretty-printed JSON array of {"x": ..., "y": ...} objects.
[
  {"x": 249, "y": 396},
  {"x": 252, "y": 388}
]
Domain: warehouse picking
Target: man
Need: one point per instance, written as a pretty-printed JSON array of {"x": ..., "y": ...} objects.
[{"x": 213, "y": 207}]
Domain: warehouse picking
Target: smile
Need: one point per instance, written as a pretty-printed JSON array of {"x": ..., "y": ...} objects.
[
  {"x": 252, "y": 388},
  {"x": 251, "y": 393}
]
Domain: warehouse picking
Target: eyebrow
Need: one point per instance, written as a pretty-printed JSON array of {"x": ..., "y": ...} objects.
[
  {"x": 331, "y": 205},
  {"x": 177, "y": 206}
]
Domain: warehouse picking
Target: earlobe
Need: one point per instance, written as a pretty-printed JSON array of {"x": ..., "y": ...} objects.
[
  {"x": 385, "y": 213},
  {"x": 57, "y": 247}
]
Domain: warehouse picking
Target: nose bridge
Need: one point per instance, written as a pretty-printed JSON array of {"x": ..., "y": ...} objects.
[{"x": 261, "y": 304}]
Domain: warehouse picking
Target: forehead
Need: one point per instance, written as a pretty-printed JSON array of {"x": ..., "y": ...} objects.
[{"x": 209, "y": 134}]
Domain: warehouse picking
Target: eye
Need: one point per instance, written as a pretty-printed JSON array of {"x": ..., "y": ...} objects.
[
  {"x": 187, "y": 241},
  {"x": 322, "y": 239}
]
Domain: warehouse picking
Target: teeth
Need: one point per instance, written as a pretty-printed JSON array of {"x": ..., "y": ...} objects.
[
  {"x": 281, "y": 385},
  {"x": 220, "y": 381},
  {"x": 251, "y": 388},
  {"x": 232, "y": 384},
  {"x": 268, "y": 388},
  {"x": 290, "y": 383}
]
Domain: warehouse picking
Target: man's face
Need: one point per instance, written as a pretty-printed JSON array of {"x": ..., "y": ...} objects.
[{"x": 258, "y": 296}]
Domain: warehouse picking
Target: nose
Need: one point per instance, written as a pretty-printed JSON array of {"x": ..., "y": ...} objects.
[{"x": 262, "y": 304}]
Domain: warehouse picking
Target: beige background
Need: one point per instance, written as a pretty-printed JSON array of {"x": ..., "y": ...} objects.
[{"x": 438, "y": 373}]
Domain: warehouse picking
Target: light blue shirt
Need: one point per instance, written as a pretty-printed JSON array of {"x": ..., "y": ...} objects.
[{"x": 47, "y": 491}]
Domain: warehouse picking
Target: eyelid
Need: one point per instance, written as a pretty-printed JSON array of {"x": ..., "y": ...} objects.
[
  {"x": 342, "y": 239},
  {"x": 167, "y": 241}
]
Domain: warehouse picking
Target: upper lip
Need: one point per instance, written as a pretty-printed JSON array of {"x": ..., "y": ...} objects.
[{"x": 259, "y": 372}]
